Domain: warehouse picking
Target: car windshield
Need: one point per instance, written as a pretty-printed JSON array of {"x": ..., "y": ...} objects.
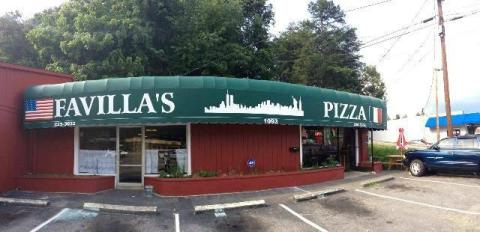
[
  {"x": 447, "y": 143},
  {"x": 456, "y": 143}
]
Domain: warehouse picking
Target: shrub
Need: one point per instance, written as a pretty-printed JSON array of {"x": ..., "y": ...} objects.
[
  {"x": 174, "y": 172},
  {"x": 204, "y": 173},
  {"x": 380, "y": 151}
]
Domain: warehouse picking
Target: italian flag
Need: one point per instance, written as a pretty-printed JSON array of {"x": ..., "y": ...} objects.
[{"x": 377, "y": 115}]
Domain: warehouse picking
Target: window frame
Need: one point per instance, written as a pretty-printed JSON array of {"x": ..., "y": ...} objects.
[
  {"x": 76, "y": 148},
  {"x": 76, "y": 145},
  {"x": 454, "y": 144},
  {"x": 188, "y": 164},
  {"x": 334, "y": 140}
]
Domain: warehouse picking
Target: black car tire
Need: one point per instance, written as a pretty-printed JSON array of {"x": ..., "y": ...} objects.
[{"x": 417, "y": 168}]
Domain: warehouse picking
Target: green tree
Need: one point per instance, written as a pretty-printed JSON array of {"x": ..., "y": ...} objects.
[
  {"x": 257, "y": 19},
  {"x": 372, "y": 84},
  {"x": 94, "y": 38},
  {"x": 322, "y": 51},
  {"x": 161, "y": 16},
  {"x": 293, "y": 50},
  {"x": 225, "y": 38},
  {"x": 14, "y": 47}
]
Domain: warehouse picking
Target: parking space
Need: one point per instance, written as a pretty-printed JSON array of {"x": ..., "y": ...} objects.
[
  {"x": 438, "y": 193},
  {"x": 269, "y": 218},
  {"x": 23, "y": 218},
  {"x": 85, "y": 220},
  {"x": 431, "y": 203},
  {"x": 352, "y": 211},
  {"x": 406, "y": 203}
]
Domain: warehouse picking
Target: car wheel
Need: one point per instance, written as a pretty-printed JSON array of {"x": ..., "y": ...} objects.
[{"x": 417, "y": 168}]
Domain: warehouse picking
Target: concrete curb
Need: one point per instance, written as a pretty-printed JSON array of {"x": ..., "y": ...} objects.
[
  {"x": 17, "y": 201},
  {"x": 377, "y": 180},
  {"x": 242, "y": 204},
  {"x": 119, "y": 208},
  {"x": 313, "y": 195}
]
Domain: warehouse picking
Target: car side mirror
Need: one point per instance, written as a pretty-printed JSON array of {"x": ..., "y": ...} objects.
[{"x": 435, "y": 147}]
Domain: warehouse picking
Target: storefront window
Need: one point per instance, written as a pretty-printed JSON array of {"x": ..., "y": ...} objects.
[
  {"x": 320, "y": 146},
  {"x": 97, "y": 150},
  {"x": 165, "y": 149}
]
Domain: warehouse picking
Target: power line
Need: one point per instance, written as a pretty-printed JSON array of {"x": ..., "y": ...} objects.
[
  {"x": 463, "y": 16},
  {"x": 410, "y": 58},
  {"x": 401, "y": 29},
  {"x": 397, "y": 77},
  {"x": 381, "y": 39},
  {"x": 369, "y": 5},
  {"x": 434, "y": 77},
  {"x": 398, "y": 38},
  {"x": 394, "y": 32},
  {"x": 458, "y": 10},
  {"x": 369, "y": 43}
]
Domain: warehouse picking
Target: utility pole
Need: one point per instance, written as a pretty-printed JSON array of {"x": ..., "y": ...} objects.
[
  {"x": 437, "y": 119},
  {"x": 448, "y": 110}
]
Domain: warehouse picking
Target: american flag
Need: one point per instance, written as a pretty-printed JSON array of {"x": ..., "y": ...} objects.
[{"x": 39, "y": 109}]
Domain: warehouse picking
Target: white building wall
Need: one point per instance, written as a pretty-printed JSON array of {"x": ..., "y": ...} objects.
[
  {"x": 431, "y": 134},
  {"x": 414, "y": 130}
]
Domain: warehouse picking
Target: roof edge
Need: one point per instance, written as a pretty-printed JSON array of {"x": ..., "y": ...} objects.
[{"x": 36, "y": 70}]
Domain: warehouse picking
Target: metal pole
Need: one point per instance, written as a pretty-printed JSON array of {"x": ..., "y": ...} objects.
[
  {"x": 436, "y": 108},
  {"x": 445, "y": 69}
]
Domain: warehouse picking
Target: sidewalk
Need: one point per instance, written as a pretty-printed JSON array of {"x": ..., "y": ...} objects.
[{"x": 186, "y": 204}]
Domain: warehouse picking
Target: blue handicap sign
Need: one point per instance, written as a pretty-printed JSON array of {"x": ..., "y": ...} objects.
[{"x": 251, "y": 163}]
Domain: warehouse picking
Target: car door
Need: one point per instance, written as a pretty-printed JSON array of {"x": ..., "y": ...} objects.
[
  {"x": 466, "y": 155},
  {"x": 442, "y": 158}
]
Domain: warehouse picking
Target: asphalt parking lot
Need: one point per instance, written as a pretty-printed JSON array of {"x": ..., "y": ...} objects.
[{"x": 431, "y": 203}]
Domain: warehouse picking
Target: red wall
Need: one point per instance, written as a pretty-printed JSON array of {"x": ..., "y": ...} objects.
[
  {"x": 79, "y": 184},
  {"x": 363, "y": 144},
  {"x": 52, "y": 151},
  {"x": 14, "y": 138},
  {"x": 226, "y": 148},
  {"x": 224, "y": 184}
]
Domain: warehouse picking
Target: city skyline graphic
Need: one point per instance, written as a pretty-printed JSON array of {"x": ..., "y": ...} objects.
[{"x": 228, "y": 106}]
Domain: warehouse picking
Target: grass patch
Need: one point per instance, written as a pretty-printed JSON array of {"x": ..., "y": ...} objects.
[
  {"x": 380, "y": 151},
  {"x": 372, "y": 184}
]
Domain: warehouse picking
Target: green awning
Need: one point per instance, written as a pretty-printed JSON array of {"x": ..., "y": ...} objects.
[{"x": 201, "y": 99}]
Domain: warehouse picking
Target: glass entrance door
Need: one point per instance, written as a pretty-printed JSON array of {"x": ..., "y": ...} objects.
[{"x": 130, "y": 147}]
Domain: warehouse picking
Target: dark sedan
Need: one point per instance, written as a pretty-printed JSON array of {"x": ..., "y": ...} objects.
[{"x": 456, "y": 154}]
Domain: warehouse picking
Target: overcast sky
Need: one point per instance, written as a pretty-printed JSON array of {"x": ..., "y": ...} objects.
[{"x": 408, "y": 68}]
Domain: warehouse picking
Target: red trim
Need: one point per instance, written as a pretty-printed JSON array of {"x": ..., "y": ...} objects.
[
  {"x": 80, "y": 184},
  {"x": 206, "y": 185},
  {"x": 377, "y": 167},
  {"x": 379, "y": 115},
  {"x": 36, "y": 70}
]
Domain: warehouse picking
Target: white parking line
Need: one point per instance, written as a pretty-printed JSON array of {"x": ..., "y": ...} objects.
[
  {"x": 418, "y": 203},
  {"x": 49, "y": 220},
  {"x": 303, "y": 190},
  {"x": 319, "y": 228},
  {"x": 177, "y": 222},
  {"x": 442, "y": 182}
]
